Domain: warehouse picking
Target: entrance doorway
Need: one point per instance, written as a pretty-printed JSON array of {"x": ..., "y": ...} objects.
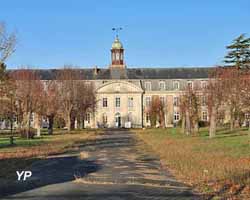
[{"x": 117, "y": 120}]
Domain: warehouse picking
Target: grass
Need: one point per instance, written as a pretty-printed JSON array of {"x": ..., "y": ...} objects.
[
  {"x": 25, "y": 152},
  {"x": 219, "y": 166}
]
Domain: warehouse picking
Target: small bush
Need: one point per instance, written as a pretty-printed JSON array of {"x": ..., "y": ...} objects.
[
  {"x": 27, "y": 133},
  {"x": 203, "y": 124}
]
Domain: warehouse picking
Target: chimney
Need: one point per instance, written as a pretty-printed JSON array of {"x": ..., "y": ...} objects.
[{"x": 96, "y": 70}]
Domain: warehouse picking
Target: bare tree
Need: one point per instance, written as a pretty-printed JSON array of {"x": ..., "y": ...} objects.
[
  {"x": 190, "y": 109},
  {"x": 51, "y": 103},
  {"x": 156, "y": 111},
  {"x": 213, "y": 93},
  {"x": 7, "y": 43},
  {"x": 85, "y": 101},
  {"x": 74, "y": 96},
  {"x": 8, "y": 104},
  {"x": 28, "y": 95}
]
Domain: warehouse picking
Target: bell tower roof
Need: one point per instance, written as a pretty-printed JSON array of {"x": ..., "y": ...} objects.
[{"x": 117, "y": 44}]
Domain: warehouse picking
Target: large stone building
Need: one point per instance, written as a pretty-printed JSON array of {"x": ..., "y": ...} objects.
[{"x": 123, "y": 93}]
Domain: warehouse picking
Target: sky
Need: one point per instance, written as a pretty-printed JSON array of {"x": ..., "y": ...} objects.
[{"x": 156, "y": 33}]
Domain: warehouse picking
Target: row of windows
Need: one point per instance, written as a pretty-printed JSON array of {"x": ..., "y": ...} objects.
[
  {"x": 118, "y": 102},
  {"x": 176, "y": 85},
  {"x": 204, "y": 116},
  {"x": 176, "y": 101},
  {"x": 105, "y": 117}
]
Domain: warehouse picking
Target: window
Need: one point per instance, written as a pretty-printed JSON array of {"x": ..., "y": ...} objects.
[
  {"x": 247, "y": 116},
  {"x": 162, "y": 85},
  {"x": 176, "y": 85},
  {"x": 204, "y": 115},
  {"x": 104, "y": 119},
  {"x": 148, "y": 101},
  {"x": 87, "y": 118},
  {"x": 147, "y": 118},
  {"x": 117, "y": 102},
  {"x": 203, "y": 84},
  {"x": 130, "y": 102},
  {"x": 130, "y": 117},
  {"x": 176, "y": 116},
  {"x": 190, "y": 84},
  {"x": 117, "y": 56},
  {"x": 176, "y": 101},
  {"x": 162, "y": 100},
  {"x": 105, "y": 102},
  {"x": 203, "y": 100},
  {"x": 148, "y": 85}
]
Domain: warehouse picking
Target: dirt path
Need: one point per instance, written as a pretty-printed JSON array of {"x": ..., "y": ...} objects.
[{"x": 115, "y": 166}]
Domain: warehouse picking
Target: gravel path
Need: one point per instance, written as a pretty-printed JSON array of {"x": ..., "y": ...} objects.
[{"x": 114, "y": 166}]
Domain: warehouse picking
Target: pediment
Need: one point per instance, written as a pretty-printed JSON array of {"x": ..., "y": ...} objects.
[{"x": 119, "y": 87}]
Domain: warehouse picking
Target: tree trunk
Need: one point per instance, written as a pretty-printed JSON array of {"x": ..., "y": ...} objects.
[
  {"x": 51, "y": 124},
  {"x": 183, "y": 123},
  {"x": 196, "y": 127},
  {"x": 212, "y": 127},
  {"x": 231, "y": 121},
  {"x": 38, "y": 125},
  {"x": 68, "y": 122},
  {"x": 188, "y": 123}
]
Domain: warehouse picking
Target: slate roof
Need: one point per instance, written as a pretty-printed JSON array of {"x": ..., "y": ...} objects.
[{"x": 133, "y": 73}]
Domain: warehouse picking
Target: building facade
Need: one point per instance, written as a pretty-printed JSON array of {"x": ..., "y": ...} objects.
[{"x": 123, "y": 94}]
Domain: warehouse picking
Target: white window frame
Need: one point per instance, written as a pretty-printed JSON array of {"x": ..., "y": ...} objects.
[
  {"x": 192, "y": 84},
  {"x": 148, "y": 85},
  {"x": 103, "y": 100},
  {"x": 162, "y": 100},
  {"x": 117, "y": 103},
  {"x": 203, "y": 114},
  {"x": 176, "y": 83},
  {"x": 204, "y": 84},
  {"x": 88, "y": 118},
  {"x": 176, "y": 101},
  {"x": 147, "y": 101},
  {"x": 203, "y": 100},
  {"x": 176, "y": 116},
  {"x": 162, "y": 83}
]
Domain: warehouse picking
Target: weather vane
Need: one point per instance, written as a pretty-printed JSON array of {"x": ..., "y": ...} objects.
[{"x": 117, "y": 29}]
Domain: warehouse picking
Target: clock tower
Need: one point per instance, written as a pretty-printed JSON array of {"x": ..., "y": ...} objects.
[{"x": 117, "y": 54}]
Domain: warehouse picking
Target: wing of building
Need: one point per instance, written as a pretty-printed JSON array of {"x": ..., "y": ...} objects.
[{"x": 124, "y": 94}]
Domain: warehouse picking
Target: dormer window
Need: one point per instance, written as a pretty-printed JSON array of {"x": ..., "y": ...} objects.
[
  {"x": 190, "y": 84},
  {"x": 162, "y": 85},
  {"x": 203, "y": 84},
  {"x": 176, "y": 85},
  {"x": 148, "y": 85}
]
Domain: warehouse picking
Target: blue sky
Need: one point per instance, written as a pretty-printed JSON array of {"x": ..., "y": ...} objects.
[{"x": 159, "y": 33}]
